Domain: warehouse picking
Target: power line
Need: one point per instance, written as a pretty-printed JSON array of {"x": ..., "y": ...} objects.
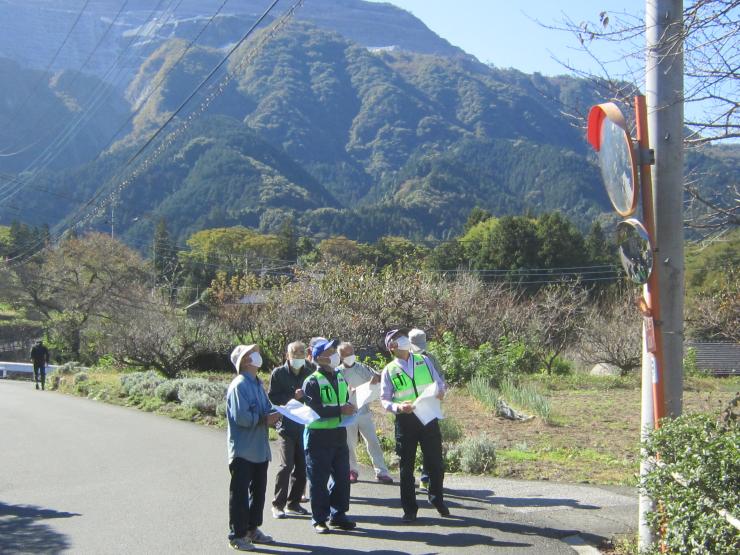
[
  {"x": 96, "y": 97},
  {"x": 78, "y": 218},
  {"x": 84, "y": 64},
  {"x": 51, "y": 63}
]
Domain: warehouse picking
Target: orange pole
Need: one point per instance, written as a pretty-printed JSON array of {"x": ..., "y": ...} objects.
[{"x": 651, "y": 297}]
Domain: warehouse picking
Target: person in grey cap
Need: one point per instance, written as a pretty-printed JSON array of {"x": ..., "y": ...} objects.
[
  {"x": 418, "y": 340},
  {"x": 401, "y": 383},
  {"x": 248, "y": 415}
]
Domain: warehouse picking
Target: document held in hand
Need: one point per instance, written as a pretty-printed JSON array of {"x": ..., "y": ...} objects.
[
  {"x": 297, "y": 412},
  {"x": 427, "y": 407},
  {"x": 367, "y": 393}
]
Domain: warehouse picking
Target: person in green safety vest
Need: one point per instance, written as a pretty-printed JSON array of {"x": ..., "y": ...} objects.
[
  {"x": 327, "y": 456},
  {"x": 402, "y": 381}
]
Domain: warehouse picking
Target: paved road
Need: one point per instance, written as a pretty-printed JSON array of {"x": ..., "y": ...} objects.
[{"x": 85, "y": 477}]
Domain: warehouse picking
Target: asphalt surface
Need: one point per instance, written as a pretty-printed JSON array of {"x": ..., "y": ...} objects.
[{"x": 80, "y": 476}]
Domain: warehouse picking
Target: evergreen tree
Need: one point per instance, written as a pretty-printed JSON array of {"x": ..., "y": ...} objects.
[{"x": 164, "y": 256}]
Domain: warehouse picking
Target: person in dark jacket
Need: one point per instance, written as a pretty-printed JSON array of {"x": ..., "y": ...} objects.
[
  {"x": 40, "y": 358},
  {"x": 286, "y": 382},
  {"x": 327, "y": 455}
]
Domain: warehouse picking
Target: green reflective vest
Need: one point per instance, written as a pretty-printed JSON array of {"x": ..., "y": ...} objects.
[
  {"x": 329, "y": 398},
  {"x": 405, "y": 388}
]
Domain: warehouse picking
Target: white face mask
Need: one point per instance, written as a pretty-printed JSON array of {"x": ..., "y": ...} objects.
[
  {"x": 297, "y": 363},
  {"x": 349, "y": 360},
  {"x": 256, "y": 360},
  {"x": 334, "y": 360},
  {"x": 403, "y": 343}
]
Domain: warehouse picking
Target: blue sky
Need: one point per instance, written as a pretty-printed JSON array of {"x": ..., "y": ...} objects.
[{"x": 503, "y": 32}]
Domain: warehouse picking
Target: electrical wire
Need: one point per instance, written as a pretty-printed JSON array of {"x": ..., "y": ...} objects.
[
  {"x": 93, "y": 102},
  {"x": 36, "y": 85}
]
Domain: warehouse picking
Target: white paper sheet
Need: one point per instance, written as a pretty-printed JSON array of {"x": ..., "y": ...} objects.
[
  {"x": 367, "y": 393},
  {"x": 297, "y": 412},
  {"x": 427, "y": 407}
]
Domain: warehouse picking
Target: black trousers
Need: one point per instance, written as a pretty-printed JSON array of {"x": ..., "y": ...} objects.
[
  {"x": 246, "y": 496},
  {"x": 290, "y": 479},
  {"x": 410, "y": 432},
  {"x": 39, "y": 370}
]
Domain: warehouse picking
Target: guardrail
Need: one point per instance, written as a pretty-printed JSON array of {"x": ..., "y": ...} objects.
[{"x": 21, "y": 368}]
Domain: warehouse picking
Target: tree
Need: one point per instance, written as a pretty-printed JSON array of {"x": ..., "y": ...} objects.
[
  {"x": 76, "y": 283},
  {"x": 611, "y": 333},
  {"x": 165, "y": 261},
  {"x": 708, "y": 40},
  {"x": 151, "y": 333},
  {"x": 555, "y": 318},
  {"x": 598, "y": 249}
]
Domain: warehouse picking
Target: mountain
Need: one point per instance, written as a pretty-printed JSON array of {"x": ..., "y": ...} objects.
[
  {"x": 341, "y": 137},
  {"x": 134, "y": 29}
]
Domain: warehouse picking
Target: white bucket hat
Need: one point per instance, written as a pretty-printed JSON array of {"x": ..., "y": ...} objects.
[{"x": 238, "y": 353}]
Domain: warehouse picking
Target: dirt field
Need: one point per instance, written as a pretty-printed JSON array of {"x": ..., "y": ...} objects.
[{"x": 595, "y": 435}]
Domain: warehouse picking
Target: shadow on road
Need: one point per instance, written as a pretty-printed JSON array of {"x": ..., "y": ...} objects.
[
  {"x": 22, "y": 531},
  {"x": 539, "y": 502}
]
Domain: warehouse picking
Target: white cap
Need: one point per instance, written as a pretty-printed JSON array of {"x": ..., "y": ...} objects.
[
  {"x": 238, "y": 353},
  {"x": 418, "y": 340}
]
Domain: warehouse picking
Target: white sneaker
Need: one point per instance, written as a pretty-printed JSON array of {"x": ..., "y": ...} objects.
[
  {"x": 257, "y": 536},
  {"x": 241, "y": 544},
  {"x": 278, "y": 513}
]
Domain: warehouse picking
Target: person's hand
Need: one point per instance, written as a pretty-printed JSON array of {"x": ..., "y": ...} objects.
[
  {"x": 298, "y": 394},
  {"x": 375, "y": 379},
  {"x": 406, "y": 407},
  {"x": 441, "y": 394},
  {"x": 273, "y": 418},
  {"x": 348, "y": 409}
]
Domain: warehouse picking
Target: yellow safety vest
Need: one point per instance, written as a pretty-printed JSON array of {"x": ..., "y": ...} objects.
[
  {"x": 404, "y": 387},
  {"x": 330, "y": 398}
]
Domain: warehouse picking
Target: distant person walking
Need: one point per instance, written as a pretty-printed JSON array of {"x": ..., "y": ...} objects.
[
  {"x": 40, "y": 358},
  {"x": 286, "y": 382},
  {"x": 358, "y": 374},
  {"x": 248, "y": 415}
]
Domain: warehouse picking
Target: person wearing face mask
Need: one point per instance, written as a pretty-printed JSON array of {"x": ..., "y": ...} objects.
[
  {"x": 356, "y": 375},
  {"x": 402, "y": 381},
  {"x": 286, "y": 383},
  {"x": 248, "y": 415},
  {"x": 327, "y": 455}
]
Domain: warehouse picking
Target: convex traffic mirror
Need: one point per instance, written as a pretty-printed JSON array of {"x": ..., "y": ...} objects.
[
  {"x": 635, "y": 250},
  {"x": 608, "y": 135}
]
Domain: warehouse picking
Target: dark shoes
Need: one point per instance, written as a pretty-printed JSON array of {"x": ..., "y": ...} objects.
[
  {"x": 442, "y": 509},
  {"x": 408, "y": 518},
  {"x": 343, "y": 524},
  {"x": 295, "y": 510},
  {"x": 321, "y": 528}
]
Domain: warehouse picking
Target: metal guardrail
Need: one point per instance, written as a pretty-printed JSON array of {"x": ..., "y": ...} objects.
[{"x": 21, "y": 368}]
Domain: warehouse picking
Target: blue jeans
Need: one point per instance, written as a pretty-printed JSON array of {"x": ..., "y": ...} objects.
[{"x": 329, "y": 498}]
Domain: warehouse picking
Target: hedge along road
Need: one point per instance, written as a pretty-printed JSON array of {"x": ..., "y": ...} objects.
[{"x": 85, "y": 477}]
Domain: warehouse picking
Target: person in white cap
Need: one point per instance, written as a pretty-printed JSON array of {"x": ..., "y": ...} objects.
[{"x": 248, "y": 415}]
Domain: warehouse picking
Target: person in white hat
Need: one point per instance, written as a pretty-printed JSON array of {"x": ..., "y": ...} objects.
[{"x": 248, "y": 415}]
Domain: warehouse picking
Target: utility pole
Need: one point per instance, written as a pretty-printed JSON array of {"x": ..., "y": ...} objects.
[{"x": 664, "y": 92}]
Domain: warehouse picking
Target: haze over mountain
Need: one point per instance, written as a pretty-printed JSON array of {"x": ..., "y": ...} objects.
[{"x": 356, "y": 119}]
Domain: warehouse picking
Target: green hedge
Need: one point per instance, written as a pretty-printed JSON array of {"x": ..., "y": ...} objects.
[{"x": 704, "y": 452}]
